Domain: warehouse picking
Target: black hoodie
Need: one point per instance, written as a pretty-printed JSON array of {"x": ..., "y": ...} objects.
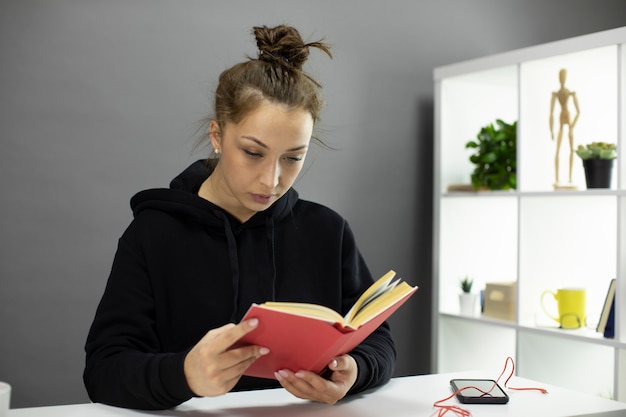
[{"x": 185, "y": 266}]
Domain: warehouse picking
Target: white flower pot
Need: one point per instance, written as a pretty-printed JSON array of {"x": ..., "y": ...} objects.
[{"x": 467, "y": 303}]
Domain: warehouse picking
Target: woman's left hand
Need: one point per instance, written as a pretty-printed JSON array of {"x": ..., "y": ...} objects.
[{"x": 310, "y": 386}]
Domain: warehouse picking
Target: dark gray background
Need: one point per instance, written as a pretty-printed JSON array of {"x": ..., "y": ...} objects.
[{"x": 100, "y": 99}]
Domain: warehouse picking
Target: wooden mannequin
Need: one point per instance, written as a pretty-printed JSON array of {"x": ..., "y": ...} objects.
[{"x": 563, "y": 95}]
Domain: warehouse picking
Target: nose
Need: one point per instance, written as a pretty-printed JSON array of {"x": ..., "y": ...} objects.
[{"x": 270, "y": 174}]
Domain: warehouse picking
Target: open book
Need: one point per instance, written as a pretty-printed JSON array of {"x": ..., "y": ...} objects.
[{"x": 304, "y": 336}]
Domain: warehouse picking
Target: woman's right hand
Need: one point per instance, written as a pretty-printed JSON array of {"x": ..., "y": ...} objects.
[{"x": 212, "y": 368}]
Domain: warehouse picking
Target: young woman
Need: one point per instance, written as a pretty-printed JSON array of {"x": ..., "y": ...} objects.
[{"x": 231, "y": 231}]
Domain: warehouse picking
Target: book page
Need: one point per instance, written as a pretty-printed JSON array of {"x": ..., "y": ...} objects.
[
  {"x": 381, "y": 303},
  {"x": 384, "y": 284},
  {"x": 305, "y": 309}
]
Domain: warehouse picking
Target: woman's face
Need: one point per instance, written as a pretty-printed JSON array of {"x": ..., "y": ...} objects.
[{"x": 260, "y": 157}]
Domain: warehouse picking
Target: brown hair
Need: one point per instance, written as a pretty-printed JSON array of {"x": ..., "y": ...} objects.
[{"x": 276, "y": 76}]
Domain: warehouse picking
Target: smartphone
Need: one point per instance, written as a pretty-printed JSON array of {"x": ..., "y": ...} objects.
[{"x": 479, "y": 391}]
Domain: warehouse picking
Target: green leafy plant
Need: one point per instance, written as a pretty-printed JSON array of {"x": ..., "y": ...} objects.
[
  {"x": 466, "y": 284},
  {"x": 495, "y": 156},
  {"x": 597, "y": 150}
]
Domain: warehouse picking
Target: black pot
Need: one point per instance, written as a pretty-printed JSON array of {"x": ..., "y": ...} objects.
[{"x": 598, "y": 172}]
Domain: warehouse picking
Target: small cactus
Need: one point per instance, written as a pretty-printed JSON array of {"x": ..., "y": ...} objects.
[{"x": 466, "y": 284}]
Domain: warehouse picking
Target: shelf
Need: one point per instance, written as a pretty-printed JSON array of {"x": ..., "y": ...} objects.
[
  {"x": 481, "y": 320},
  {"x": 469, "y": 351},
  {"x": 551, "y": 194},
  {"x": 566, "y": 362},
  {"x": 584, "y": 335},
  {"x": 537, "y": 236},
  {"x": 592, "y": 75}
]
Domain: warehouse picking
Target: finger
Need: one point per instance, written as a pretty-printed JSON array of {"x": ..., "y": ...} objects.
[
  {"x": 297, "y": 386},
  {"x": 340, "y": 364},
  {"x": 306, "y": 380},
  {"x": 236, "y": 361},
  {"x": 344, "y": 371},
  {"x": 225, "y": 336},
  {"x": 212, "y": 334},
  {"x": 308, "y": 386},
  {"x": 239, "y": 359}
]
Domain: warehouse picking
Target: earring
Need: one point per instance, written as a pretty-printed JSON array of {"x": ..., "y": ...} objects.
[{"x": 217, "y": 152}]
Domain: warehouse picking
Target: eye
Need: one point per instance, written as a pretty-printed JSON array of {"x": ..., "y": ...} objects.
[
  {"x": 293, "y": 159},
  {"x": 252, "y": 154}
]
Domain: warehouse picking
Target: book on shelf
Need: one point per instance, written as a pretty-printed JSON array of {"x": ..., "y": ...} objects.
[
  {"x": 609, "y": 329},
  {"x": 607, "y": 317},
  {"x": 302, "y": 336}
]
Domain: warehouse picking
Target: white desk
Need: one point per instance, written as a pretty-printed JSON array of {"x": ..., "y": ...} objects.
[{"x": 401, "y": 397}]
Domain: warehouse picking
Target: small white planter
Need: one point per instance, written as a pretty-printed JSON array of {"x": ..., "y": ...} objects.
[{"x": 467, "y": 303}]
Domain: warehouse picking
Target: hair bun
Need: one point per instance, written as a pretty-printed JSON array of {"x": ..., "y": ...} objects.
[{"x": 284, "y": 45}]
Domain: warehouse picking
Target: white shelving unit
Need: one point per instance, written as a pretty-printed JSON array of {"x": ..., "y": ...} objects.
[{"x": 543, "y": 239}]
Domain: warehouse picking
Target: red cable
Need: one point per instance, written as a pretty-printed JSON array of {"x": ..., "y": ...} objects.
[
  {"x": 462, "y": 412},
  {"x": 542, "y": 390}
]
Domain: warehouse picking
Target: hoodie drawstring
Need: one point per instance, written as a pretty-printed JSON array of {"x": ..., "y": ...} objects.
[
  {"x": 234, "y": 262},
  {"x": 269, "y": 228},
  {"x": 234, "y": 259}
]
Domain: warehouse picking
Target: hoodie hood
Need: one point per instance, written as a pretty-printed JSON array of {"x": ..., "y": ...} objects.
[{"x": 182, "y": 201}]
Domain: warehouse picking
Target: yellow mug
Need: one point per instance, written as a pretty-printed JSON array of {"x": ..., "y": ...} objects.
[{"x": 572, "y": 306}]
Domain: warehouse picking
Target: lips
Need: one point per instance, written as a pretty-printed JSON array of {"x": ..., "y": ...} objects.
[{"x": 262, "y": 198}]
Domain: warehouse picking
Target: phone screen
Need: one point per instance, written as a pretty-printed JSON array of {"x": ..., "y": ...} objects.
[{"x": 479, "y": 391}]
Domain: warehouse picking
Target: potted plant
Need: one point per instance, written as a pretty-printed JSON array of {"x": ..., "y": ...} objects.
[
  {"x": 466, "y": 284},
  {"x": 597, "y": 160},
  {"x": 467, "y": 300},
  {"x": 495, "y": 157}
]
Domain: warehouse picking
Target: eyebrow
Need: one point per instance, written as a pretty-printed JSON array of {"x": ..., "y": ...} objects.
[{"x": 261, "y": 144}]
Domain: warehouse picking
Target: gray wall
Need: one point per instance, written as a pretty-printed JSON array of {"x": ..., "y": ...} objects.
[{"x": 100, "y": 99}]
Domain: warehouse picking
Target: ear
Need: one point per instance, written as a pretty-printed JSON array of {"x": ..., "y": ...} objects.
[{"x": 215, "y": 134}]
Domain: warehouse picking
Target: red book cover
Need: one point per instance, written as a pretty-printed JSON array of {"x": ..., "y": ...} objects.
[{"x": 297, "y": 342}]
